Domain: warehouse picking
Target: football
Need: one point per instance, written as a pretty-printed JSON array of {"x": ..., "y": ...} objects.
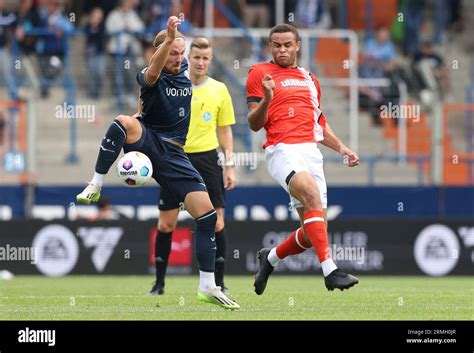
[{"x": 134, "y": 169}]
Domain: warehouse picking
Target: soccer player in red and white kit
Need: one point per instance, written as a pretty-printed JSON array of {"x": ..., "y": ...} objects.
[{"x": 285, "y": 99}]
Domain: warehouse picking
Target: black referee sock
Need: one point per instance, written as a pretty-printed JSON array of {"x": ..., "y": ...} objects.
[
  {"x": 162, "y": 253},
  {"x": 204, "y": 241},
  {"x": 221, "y": 243},
  {"x": 110, "y": 147}
]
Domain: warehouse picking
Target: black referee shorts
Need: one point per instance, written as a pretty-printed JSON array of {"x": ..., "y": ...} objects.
[{"x": 206, "y": 163}]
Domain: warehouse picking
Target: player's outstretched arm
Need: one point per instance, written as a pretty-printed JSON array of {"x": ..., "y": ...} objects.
[
  {"x": 158, "y": 60},
  {"x": 331, "y": 141},
  {"x": 258, "y": 112}
]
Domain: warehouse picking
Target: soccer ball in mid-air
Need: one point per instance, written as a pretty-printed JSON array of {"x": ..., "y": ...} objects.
[{"x": 134, "y": 168}]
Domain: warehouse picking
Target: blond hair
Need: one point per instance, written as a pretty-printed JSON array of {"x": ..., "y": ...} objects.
[
  {"x": 161, "y": 36},
  {"x": 200, "y": 43}
]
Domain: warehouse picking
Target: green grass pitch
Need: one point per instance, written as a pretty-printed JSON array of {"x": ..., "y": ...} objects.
[{"x": 286, "y": 298}]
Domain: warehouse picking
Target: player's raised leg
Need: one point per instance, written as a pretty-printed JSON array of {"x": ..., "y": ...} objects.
[
  {"x": 124, "y": 129},
  {"x": 199, "y": 205}
]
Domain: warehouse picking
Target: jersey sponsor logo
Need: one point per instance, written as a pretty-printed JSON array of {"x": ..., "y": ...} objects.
[
  {"x": 293, "y": 82},
  {"x": 179, "y": 92}
]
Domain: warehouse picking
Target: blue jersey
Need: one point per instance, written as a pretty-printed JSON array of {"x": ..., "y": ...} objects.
[{"x": 166, "y": 105}]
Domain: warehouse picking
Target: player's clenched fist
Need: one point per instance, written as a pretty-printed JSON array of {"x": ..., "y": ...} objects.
[
  {"x": 268, "y": 86},
  {"x": 173, "y": 23},
  {"x": 350, "y": 157}
]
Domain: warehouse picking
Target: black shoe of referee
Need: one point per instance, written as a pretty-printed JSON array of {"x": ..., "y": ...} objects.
[
  {"x": 264, "y": 271},
  {"x": 157, "y": 289}
]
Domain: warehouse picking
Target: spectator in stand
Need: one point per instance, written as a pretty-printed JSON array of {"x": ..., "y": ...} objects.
[
  {"x": 155, "y": 13},
  {"x": 106, "y": 5},
  {"x": 159, "y": 11},
  {"x": 312, "y": 14},
  {"x": 95, "y": 41},
  {"x": 379, "y": 62},
  {"x": 28, "y": 18},
  {"x": 105, "y": 211},
  {"x": 427, "y": 64},
  {"x": 256, "y": 13},
  {"x": 413, "y": 21},
  {"x": 456, "y": 19},
  {"x": 148, "y": 49},
  {"x": 371, "y": 97},
  {"x": 381, "y": 49},
  {"x": 173, "y": 8},
  {"x": 125, "y": 47},
  {"x": 7, "y": 23},
  {"x": 50, "y": 47},
  {"x": 197, "y": 13}
]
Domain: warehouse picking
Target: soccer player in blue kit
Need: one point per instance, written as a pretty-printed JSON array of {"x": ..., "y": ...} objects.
[{"x": 160, "y": 133}]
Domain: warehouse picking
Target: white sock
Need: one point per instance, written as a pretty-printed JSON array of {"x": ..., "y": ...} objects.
[
  {"x": 273, "y": 258},
  {"x": 98, "y": 179},
  {"x": 328, "y": 266},
  {"x": 207, "y": 281}
]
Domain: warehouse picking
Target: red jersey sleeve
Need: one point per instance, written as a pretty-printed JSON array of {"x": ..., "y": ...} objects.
[
  {"x": 254, "y": 85},
  {"x": 322, "y": 118}
]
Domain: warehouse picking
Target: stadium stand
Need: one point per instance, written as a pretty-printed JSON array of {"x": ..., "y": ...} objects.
[{"x": 53, "y": 134}]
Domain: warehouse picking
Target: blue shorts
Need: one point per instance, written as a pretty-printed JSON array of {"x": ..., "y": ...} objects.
[{"x": 171, "y": 166}]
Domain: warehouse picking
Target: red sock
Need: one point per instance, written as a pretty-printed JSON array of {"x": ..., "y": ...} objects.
[
  {"x": 316, "y": 230},
  {"x": 295, "y": 244}
]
